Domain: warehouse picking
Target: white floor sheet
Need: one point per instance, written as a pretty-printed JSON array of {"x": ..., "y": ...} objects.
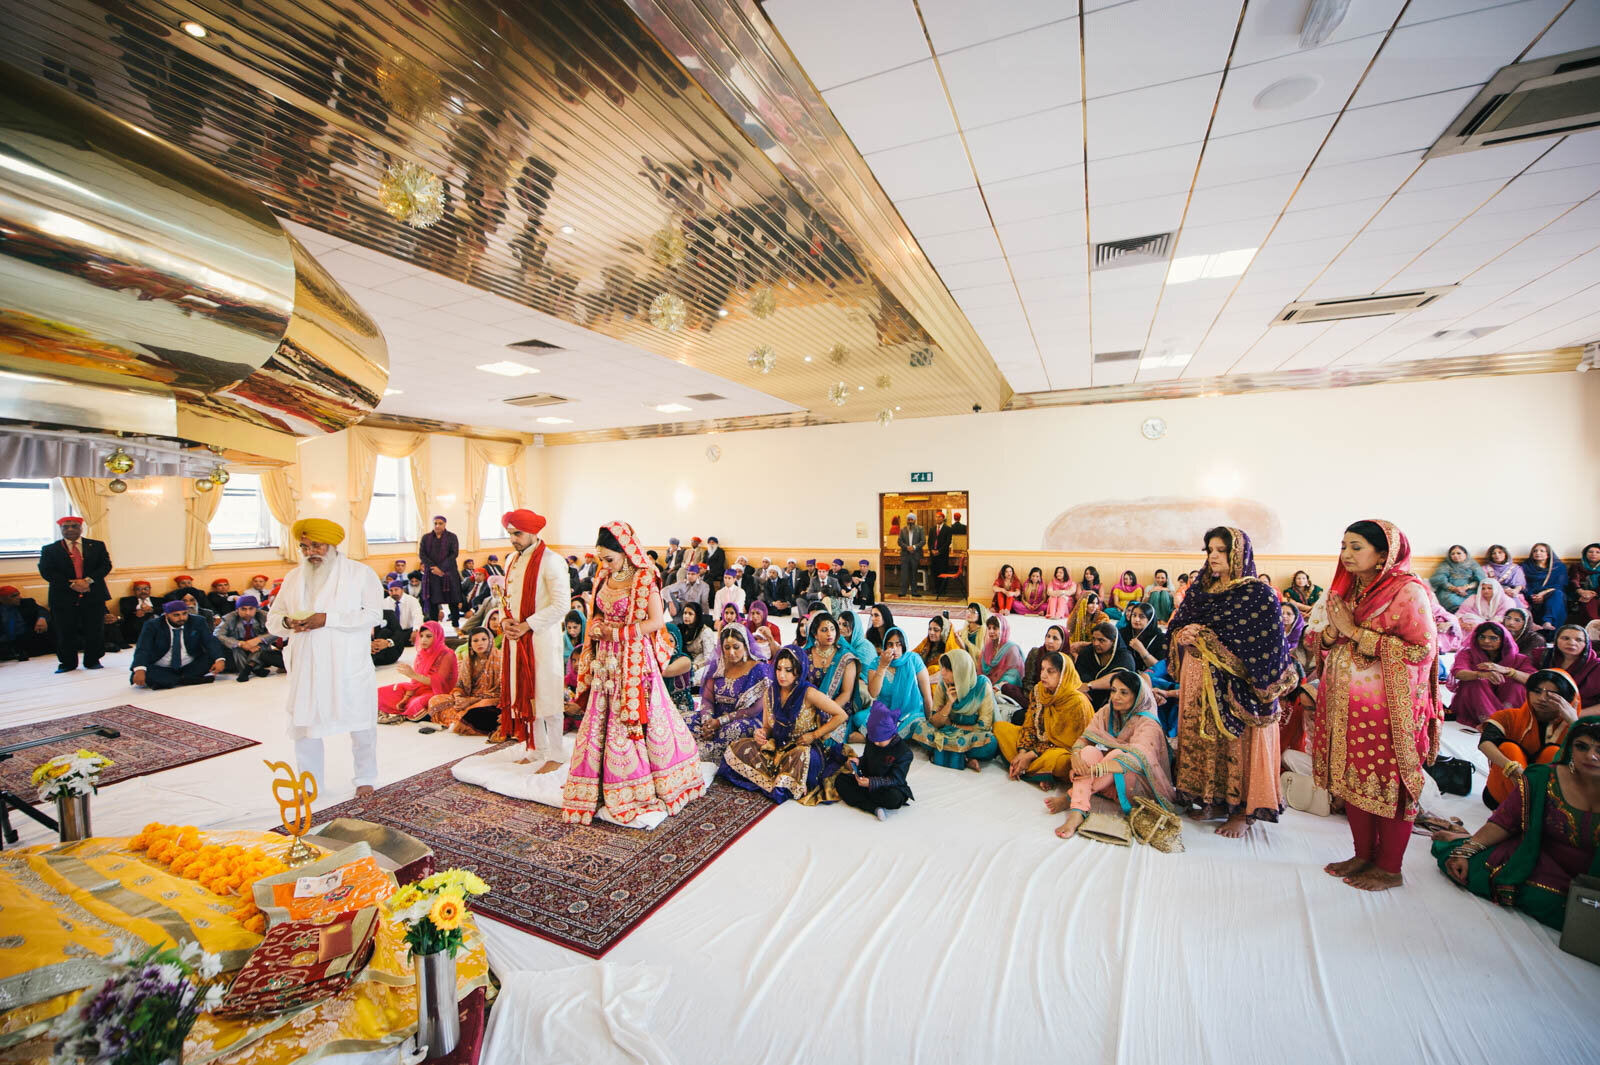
[{"x": 963, "y": 930}]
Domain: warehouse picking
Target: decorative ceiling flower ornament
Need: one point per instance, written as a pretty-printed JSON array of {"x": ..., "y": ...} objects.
[
  {"x": 763, "y": 359},
  {"x": 667, "y": 246},
  {"x": 412, "y": 195},
  {"x": 838, "y": 393},
  {"x": 763, "y": 302},
  {"x": 837, "y": 354},
  {"x": 885, "y": 416},
  {"x": 667, "y": 312}
]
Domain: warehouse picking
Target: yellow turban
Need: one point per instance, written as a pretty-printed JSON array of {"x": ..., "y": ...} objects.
[{"x": 317, "y": 530}]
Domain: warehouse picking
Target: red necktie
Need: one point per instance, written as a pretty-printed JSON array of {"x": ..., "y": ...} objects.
[{"x": 77, "y": 558}]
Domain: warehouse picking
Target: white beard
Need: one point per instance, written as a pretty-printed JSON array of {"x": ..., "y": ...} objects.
[{"x": 317, "y": 574}]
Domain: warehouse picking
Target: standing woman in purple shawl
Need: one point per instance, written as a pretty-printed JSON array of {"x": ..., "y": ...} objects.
[
  {"x": 441, "y": 573},
  {"x": 1231, "y": 658}
]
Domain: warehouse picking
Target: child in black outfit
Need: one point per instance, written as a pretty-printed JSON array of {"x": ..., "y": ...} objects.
[{"x": 876, "y": 782}]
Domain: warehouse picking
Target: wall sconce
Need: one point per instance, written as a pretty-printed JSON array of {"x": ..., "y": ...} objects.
[
  {"x": 322, "y": 497},
  {"x": 446, "y": 500}
]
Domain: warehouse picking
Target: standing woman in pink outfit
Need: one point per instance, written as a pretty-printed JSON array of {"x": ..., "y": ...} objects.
[
  {"x": 632, "y": 752},
  {"x": 1377, "y": 720}
]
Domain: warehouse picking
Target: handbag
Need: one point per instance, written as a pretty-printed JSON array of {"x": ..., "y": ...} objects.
[
  {"x": 1453, "y": 775},
  {"x": 1106, "y": 828},
  {"x": 1155, "y": 826}
]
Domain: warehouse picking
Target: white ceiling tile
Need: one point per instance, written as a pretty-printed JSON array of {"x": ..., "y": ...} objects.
[
  {"x": 1550, "y": 187},
  {"x": 1032, "y": 144},
  {"x": 1362, "y": 180},
  {"x": 363, "y": 270},
  {"x": 881, "y": 35},
  {"x": 997, "y": 313},
  {"x": 956, "y": 24},
  {"x": 969, "y": 246},
  {"x": 945, "y": 212},
  {"x": 1065, "y": 230},
  {"x": 972, "y": 275},
  {"x": 1575, "y": 149},
  {"x": 1272, "y": 350},
  {"x": 1172, "y": 40},
  {"x": 1578, "y": 27},
  {"x": 1036, "y": 195},
  {"x": 1502, "y": 161},
  {"x": 1263, "y": 197},
  {"x": 1434, "y": 10},
  {"x": 1336, "y": 220},
  {"x": 1453, "y": 202},
  {"x": 1153, "y": 117},
  {"x": 1390, "y": 128},
  {"x": 1453, "y": 52},
  {"x": 982, "y": 297},
  {"x": 1043, "y": 295},
  {"x": 422, "y": 291},
  {"x": 1357, "y": 275},
  {"x": 1286, "y": 149},
  {"x": 1329, "y": 74},
  {"x": 1223, "y": 236},
  {"x": 1059, "y": 263},
  {"x": 1281, "y": 255},
  {"x": 1272, "y": 30},
  {"x": 897, "y": 107},
  {"x": 939, "y": 165},
  {"x": 1120, "y": 221},
  {"x": 1015, "y": 75},
  {"x": 1162, "y": 172},
  {"x": 1486, "y": 226}
]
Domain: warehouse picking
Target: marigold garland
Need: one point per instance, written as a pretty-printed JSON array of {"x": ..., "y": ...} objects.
[{"x": 221, "y": 870}]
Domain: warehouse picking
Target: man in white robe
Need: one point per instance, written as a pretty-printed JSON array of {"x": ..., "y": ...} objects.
[
  {"x": 326, "y": 609},
  {"x": 539, "y": 593}
]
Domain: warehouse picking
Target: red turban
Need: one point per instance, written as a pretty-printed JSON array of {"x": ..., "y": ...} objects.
[
  {"x": 219, "y": 580},
  {"x": 183, "y": 577},
  {"x": 69, "y": 517},
  {"x": 10, "y": 589},
  {"x": 523, "y": 521}
]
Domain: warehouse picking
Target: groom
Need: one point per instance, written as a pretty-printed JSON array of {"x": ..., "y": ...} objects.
[{"x": 539, "y": 593}]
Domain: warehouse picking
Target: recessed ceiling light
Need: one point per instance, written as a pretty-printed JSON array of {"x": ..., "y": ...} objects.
[
  {"x": 568, "y": 230},
  {"x": 808, "y": 358},
  {"x": 507, "y": 368},
  {"x": 722, "y": 312},
  {"x": 897, "y": 408},
  {"x": 671, "y": 408},
  {"x": 861, "y": 388},
  {"x": 555, "y": 421},
  {"x": 194, "y": 29},
  {"x": 1286, "y": 92},
  {"x": 393, "y": 391},
  {"x": 1178, "y": 358},
  {"x": 1187, "y": 268}
]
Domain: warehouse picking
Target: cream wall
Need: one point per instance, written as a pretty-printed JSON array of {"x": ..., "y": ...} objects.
[{"x": 1317, "y": 459}]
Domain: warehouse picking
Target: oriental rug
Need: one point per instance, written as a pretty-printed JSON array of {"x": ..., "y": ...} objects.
[
  {"x": 150, "y": 743},
  {"x": 582, "y": 886}
]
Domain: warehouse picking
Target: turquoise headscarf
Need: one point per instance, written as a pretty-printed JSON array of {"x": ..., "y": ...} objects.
[
  {"x": 900, "y": 691},
  {"x": 858, "y": 644}
]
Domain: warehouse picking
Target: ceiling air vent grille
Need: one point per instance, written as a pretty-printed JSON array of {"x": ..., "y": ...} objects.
[
  {"x": 706, "y": 397},
  {"x": 1358, "y": 306},
  {"x": 1135, "y": 251},
  {"x": 1475, "y": 333},
  {"x": 1540, "y": 98},
  {"x": 1115, "y": 356},
  {"x": 535, "y": 347},
  {"x": 537, "y": 399}
]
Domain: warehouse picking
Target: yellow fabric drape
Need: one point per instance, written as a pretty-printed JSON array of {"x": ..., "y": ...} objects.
[
  {"x": 280, "y": 489},
  {"x": 88, "y": 495},
  {"x": 198, "y": 510},
  {"x": 481, "y": 454},
  {"x": 365, "y": 445}
]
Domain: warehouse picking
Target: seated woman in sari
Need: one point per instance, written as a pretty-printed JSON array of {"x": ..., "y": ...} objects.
[
  {"x": 1055, "y": 639},
  {"x": 1572, "y": 652},
  {"x": 959, "y": 731},
  {"x": 1538, "y": 839},
  {"x": 1586, "y": 583},
  {"x": 880, "y": 619},
  {"x": 1302, "y": 594},
  {"x": 734, "y": 697},
  {"x": 1488, "y": 603},
  {"x": 1145, "y": 640},
  {"x": 1123, "y": 752},
  {"x": 433, "y": 672},
  {"x": 1521, "y": 628},
  {"x": 677, "y": 668},
  {"x": 793, "y": 754},
  {"x": 1456, "y": 578},
  {"x": 1000, "y": 660},
  {"x": 1159, "y": 596},
  {"x": 1032, "y": 602},
  {"x": 473, "y": 707},
  {"x": 1546, "y": 575},
  {"x": 1090, "y": 581},
  {"x": 1057, "y": 714},
  {"x": 1081, "y": 624},
  {"x": 1060, "y": 593},
  {"x": 1127, "y": 591},
  {"x": 572, "y": 630},
  {"x": 971, "y": 638},
  {"x": 760, "y": 622},
  {"x": 1489, "y": 675},
  {"x": 1299, "y": 705},
  {"x": 1530, "y": 734},
  {"x": 1103, "y": 655},
  {"x": 900, "y": 682},
  {"x": 1497, "y": 564},
  {"x": 939, "y": 639},
  {"x": 1445, "y": 624},
  {"x": 831, "y": 667},
  {"x": 1006, "y": 589},
  {"x": 698, "y": 640}
]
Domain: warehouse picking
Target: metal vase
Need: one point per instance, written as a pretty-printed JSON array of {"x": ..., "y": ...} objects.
[
  {"x": 72, "y": 815},
  {"x": 438, "y": 1018}
]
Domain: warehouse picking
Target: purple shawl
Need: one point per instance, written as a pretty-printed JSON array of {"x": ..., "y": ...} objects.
[
  {"x": 1510, "y": 655},
  {"x": 1242, "y": 626}
]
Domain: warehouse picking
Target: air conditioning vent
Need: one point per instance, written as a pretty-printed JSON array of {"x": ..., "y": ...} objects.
[
  {"x": 1540, "y": 98},
  {"x": 537, "y": 399},
  {"x": 1135, "y": 251},
  {"x": 706, "y": 397},
  {"x": 1476, "y": 333},
  {"x": 1358, "y": 306},
  {"x": 535, "y": 347},
  {"x": 1116, "y": 356}
]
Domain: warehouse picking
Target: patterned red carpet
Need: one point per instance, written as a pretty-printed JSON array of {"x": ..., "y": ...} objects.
[
  {"x": 582, "y": 886},
  {"x": 149, "y": 743}
]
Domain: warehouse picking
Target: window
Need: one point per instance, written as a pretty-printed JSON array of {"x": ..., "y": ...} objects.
[
  {"x": 242, "y": 518},
  {"x": 391, "y": 518},
  {"x": 496, "y": 501},
  {"x": 31, "y": 508}
]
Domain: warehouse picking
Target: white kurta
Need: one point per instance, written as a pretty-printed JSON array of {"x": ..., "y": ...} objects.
[
  {"x": 333, "y": 687},
  {"x": 552, "y": 598}
]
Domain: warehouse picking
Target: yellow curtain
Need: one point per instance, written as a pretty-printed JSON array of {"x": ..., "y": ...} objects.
[
  {"x": 88, "y": 495},
  {"x": 481, "y": 454},
  {"x": 365, "y": 447},
  {"x": 280, "y": 488},
  {"x": 198, "y": 510}
]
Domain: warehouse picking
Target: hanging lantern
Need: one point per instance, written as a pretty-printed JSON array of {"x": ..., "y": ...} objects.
[
  {"x": 219, "y": 476},
  {"x": 838, "y": 393},
  {"x": 763, "y": 359},
  {"x": 204, "y": 484},
  {"x": 837, "y": 354},
  {"x": 412, "y": 195},
  {"x": 884, "y": 380},
  {"x": 667, "y": 247},
  {"x": 412, "y": 91},
  {"x": 667, "y": 312},
  {"x": 117, "y": 486},
  {"x": 763, "y": 302},
  {"x": 922, "y": 358},
  {"x": 118, "y": 462},
  {"x": 885, "y": 416}
]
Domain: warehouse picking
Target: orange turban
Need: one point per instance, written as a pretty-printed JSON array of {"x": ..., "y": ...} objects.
[{"x": 523, "y": 521}]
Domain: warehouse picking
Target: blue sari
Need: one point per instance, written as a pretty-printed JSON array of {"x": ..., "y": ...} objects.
[
  {"x": 1552, "y": 610},
  {"x": 900, "y": 690},
  {"x": 781, "y": 769}
]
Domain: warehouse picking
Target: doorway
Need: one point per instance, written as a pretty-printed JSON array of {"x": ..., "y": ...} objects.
[{"x": 950, "y": 582}]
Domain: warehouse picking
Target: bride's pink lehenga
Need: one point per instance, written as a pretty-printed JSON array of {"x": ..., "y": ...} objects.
[{"x": 632, "y": 752}]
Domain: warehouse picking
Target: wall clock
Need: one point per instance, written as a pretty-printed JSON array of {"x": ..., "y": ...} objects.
[{"x": 1154, "y": 428}]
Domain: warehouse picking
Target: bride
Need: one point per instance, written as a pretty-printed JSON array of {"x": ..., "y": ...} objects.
[{"x": 632, "y": 752}]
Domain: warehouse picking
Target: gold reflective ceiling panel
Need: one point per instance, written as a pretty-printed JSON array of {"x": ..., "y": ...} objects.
[{"x": 546, "y": 115}]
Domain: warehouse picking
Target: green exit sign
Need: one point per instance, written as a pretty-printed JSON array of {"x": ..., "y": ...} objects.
[{"x": 925, "y": 477}]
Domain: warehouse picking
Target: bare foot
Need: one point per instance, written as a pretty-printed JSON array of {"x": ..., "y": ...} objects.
[
  {"x": 523, "y": 761},
  {"x": 1451, "y": 833},
  {"x": 363, "y": 791},
  {"x": 1374, "y": 879},
  {"x": 1199, "y": 813},
  {"x": 497, "y": 736},
  {"x": 1069, "y": 827},
  {"x": 1058, "y": 803},
  {"x": 858, "y": 737},
  {"x": 548, "y": 767},
  {"x": 1234, "y": 827},
  {"x": 974, "y": 765},
  {"x": 1348, "y": 867}
]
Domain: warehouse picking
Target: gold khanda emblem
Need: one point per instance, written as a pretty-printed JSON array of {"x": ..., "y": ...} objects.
[{"x": 294, "y": 796}]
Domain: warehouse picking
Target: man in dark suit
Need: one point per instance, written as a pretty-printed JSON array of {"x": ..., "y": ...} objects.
[
  {"x": 180, "y": 584},
  {"x": 938, "y": 552},
  {"x": 24, "y": 626},
  {"x": 243, "y": 632},
  {"x": 220, "y": 599},
  {"x": 75, "y": 568},
  {"x": 864, "y": 583},
  {"x": 135, "y": 610},
  {"x": 387, "y": 642},
  {"x": 913, "y": 538},
  {"x": 176, "y": 649},
  {"x": 778, "y": 593},
  {"x": 674, "y": 561},
  {"x": 716, "y": 562}
]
